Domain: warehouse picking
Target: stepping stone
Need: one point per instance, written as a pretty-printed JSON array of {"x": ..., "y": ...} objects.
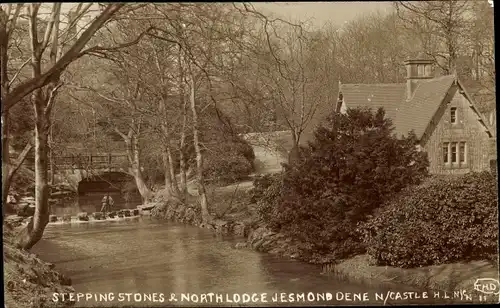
[
  {"x": 112, "y": 214},
  {"x": 83, "y": 216},
  {"x": 98, "y": 216},
  {"x": 53, "y": 218},
  {"x": 146, "y": 207}
]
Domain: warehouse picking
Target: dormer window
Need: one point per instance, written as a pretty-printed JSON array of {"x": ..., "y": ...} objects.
[{"x": 453, "y": 115}]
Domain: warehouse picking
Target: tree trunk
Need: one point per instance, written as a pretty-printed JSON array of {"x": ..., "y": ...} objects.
[
  {"x": 205, "y": 215},
  {"x": 141, "y": 185},
  {"x": 33, "y": 233},
  {"x": 294, "y": 154},
  {"x": 183, "y": 170},
  {"x": 12, "y": 169},
  {"x": 19, "y": 161},
  {"x": 51, "y": 158},
  {"x": 168, "y": 175},
  {"x": 5, "y": 160},
  {"x": 182, "y": 146},
  {"x": 170, "y": 178},
  {"x": 133, "y": 155},
  {"x": 137, "y": 172},
  {"x": 174, "y": 186}
]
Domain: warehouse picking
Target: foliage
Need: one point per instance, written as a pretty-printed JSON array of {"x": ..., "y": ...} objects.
[
  {"x": 230, "y": 161},
  {"x": 267, "y": 192},
  {"x": 228, "y": 158},
  {"x": 442, "y": 221},
  {"x": 352, "y": 167}
]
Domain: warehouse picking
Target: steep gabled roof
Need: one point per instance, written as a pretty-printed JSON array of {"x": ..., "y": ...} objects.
[
  {"x": 374, "y": 96},
  {"x": 472, "y": 104},
  {"x": 414, "y": 114},
  {"x": 417, "y": 113}
]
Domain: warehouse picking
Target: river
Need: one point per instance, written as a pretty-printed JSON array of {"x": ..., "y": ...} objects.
[
  {"x": 91, "y": 202},
  {"x": 147, "y": 256}
]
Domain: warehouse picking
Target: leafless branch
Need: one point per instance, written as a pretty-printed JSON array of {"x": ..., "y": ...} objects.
[
  {"x": 56, "y": 10},
  {"x": 99, "y": 49},
  {"x": 52, "y": 98},
  {"x": 28, "y": 86},
  {"x": 18, "y": 71},
  {"x": 19, "y": 161}
]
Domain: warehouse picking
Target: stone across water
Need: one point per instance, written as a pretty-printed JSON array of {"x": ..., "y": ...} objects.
[{"x": 83, "y": 217}]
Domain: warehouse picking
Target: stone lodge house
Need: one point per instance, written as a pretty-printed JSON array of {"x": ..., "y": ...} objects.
[{"x": 443, "y": 115}]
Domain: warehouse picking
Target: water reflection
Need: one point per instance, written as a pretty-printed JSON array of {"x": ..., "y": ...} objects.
[{"x": 147, "y": 256}]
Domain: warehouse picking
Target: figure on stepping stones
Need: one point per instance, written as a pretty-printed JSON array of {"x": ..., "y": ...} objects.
[{"x": 107, "y": 203}]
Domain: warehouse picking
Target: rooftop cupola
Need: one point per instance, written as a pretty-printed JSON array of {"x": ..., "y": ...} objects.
[{"x": 417, "y": 69}]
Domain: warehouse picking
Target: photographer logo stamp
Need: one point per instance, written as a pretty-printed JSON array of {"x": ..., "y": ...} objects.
[{"x": 488, "y": 287}]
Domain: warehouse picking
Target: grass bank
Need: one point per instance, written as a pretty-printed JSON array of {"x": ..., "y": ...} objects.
[{"x": 445, "y": 277}]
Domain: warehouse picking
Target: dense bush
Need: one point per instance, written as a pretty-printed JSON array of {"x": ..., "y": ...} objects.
[
  {"x": 230, "y": 161},
  {"x": 227, "y": 157},
  {"x": 442, "y": 221},
  {"x": 266, "y": 193},
  {"x": 354, "y": 165}
]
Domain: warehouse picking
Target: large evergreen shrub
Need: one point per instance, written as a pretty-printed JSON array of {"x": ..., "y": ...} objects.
[
  {"x": 353, "y": 166},
  {"x": 442, "y": 221}
]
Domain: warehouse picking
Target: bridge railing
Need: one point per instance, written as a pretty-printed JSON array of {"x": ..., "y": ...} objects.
[{"x": 86, "y": 161}]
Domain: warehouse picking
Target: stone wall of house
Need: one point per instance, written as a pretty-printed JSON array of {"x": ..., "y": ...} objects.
[{"x": 466, "y": 129}]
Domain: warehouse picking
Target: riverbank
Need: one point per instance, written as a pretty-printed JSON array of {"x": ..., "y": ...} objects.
[
  {"x": 445, "y": 278},
  {"x": 240, "y": 219},
  {"x": 28, "y": 281}
]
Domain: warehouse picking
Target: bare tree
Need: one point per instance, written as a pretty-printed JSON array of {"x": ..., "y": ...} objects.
[
  {"x": 63, "y": 46},
  {"x": 13, "y": 90},
  {"x": 481, "y": 44},
  {"x": 169, "y": 91},
  {"x": 122, "y": 95},
  {"x": 445, "y": 23},
  {"x": 289, "y": 78}
]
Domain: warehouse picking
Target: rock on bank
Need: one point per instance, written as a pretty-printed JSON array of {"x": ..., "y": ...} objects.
[
  {"x": 29, "y": 281},
  {"x": 244, "y": 224}
]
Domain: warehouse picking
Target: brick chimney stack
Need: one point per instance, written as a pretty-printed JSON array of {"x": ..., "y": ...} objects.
[{"x": 417, "y": 69}]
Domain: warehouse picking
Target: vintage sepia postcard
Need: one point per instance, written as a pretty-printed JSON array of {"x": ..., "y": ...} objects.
[{"x": 249, "y": 154}]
